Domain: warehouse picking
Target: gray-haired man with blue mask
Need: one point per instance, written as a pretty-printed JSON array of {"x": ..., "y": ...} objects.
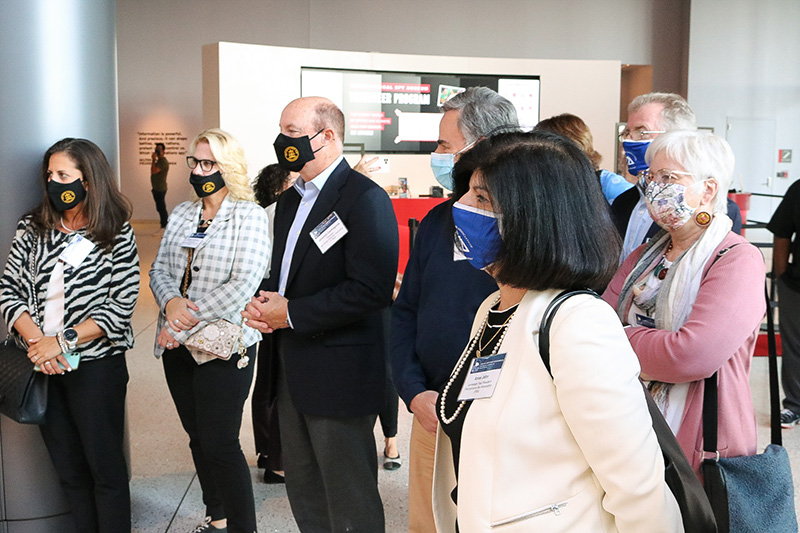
[
  {"x": 441, "y": 291},
  {"x": 650, "y": 115}
]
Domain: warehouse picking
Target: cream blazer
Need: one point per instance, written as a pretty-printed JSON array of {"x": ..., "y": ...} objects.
[{"x": 575, "y": 452}]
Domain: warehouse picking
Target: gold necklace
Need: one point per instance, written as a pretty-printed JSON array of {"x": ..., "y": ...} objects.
[{"x": 501, "y": 327}]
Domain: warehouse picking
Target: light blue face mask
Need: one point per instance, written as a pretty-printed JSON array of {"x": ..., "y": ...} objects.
[
  {"x": 478, "y": 234},
  {"x": 442, "y": 166},
  {"x": 634, "y": 153}
]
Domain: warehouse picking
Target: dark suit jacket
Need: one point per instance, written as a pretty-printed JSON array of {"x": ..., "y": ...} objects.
[
  {"x": 623, "y": 206},
  {"x": 334, "y": 356}
]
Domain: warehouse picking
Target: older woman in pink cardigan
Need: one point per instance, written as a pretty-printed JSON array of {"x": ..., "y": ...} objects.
[{"x": 693, "y": 297}]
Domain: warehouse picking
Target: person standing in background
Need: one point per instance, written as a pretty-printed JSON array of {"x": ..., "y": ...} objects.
[
  {"x": 784, "y": 225},
  {"x": 158, "y": 182}
]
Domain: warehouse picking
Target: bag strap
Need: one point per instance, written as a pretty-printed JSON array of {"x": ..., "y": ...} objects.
[
  {"x": 547, "y": 319},
  {"x": 34, "y": 271},
  {"x": 774, "y": 393},
  {"x": 710, "y": 398}
]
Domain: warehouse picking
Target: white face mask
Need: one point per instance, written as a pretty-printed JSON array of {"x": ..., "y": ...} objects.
[{"x": 666, "y": 203}]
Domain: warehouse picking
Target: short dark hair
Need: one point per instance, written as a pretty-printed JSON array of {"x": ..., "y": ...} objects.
[
  {"x": 269, "y": 184},
  {"x": 163, "y": 147},
  {"x": 556, "y": 226},
  {"x": 106, "y": 208}
]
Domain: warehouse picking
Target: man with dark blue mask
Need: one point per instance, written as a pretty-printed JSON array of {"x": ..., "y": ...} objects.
[
  {"x": 650, "y": 115},
  {"x": 440, "y": 293},
  {"x": 334, "y": 262}
]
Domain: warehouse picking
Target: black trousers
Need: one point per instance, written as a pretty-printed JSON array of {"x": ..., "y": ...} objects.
[
  {"x": 388, "y": 417},
  {"x": 331, "y": 469},
  {"x": 161, "y": 206},
  {"x": 266, "y": 430},
  {"x": 210, "y": 400},
  {"x": 84, "y": 432}
]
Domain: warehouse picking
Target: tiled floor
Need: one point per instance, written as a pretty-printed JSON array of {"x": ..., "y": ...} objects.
[{"x": 165, "y": 493}]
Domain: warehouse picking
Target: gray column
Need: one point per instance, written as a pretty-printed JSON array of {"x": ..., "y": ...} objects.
[{"x": 58, "y": 78}]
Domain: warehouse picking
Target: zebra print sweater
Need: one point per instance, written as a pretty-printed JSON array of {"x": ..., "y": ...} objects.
[{"x": 104, "y": 287}]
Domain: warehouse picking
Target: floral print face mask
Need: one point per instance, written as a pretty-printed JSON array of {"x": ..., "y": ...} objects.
[{"x": 666, "y": 203}]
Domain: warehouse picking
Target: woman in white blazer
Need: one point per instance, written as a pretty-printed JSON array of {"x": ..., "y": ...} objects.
[
  {"x": 211, "y": 260},
  {"x": 519, "y": 450}
]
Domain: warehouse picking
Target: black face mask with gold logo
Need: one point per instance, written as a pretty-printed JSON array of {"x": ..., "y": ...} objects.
[
  {"x": 294, "y": 152},
  {"x": 206, "y": 185},
  {"x": 65, "y": 195}
]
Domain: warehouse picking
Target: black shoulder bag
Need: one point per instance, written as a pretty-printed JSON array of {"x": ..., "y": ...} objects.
[
  {"x": 23, "y": 391},
  {"x": 696, "y": 512}
]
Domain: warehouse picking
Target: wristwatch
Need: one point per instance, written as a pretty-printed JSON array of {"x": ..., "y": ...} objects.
[{"x": 70, "y": 337}]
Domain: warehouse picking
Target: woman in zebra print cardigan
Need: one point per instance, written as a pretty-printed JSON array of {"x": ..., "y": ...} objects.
[{"x": 77, "y": 252}]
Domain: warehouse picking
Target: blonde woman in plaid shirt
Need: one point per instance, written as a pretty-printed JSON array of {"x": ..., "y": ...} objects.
[{"x": 211, "y": 260}]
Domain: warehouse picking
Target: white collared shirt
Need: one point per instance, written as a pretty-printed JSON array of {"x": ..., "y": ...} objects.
[
  {"x": 638, "y": 225},
  {"x": 309, "y": 192}
]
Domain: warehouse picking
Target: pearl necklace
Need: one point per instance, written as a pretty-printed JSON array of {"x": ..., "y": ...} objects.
[{"x": 463, "y": 359}]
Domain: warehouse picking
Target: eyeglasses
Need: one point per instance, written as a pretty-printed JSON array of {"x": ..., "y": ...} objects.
[
  {"x": 638, "y": 134},
  {"x": 664, "y": 176},
  {"x": 205, "y": 164}
]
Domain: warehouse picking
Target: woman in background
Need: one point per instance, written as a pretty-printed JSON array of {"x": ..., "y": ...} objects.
[
  {"x": 76, "y": 250},
  {"x": 571, "y": 451},
  {"x": 576, "y": 130},
  {"x": 269, "y": 184},
  {"x": 693, "y": 296},
  {"x": 211, "y": 259}
]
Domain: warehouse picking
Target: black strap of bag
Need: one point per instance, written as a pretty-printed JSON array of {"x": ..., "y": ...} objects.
[
  {"x": 696, "y": 512},
  {"x": 755, "y": 492}
]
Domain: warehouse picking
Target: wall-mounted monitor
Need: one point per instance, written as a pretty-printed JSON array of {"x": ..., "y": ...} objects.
[{"x": 399, "y": 112}]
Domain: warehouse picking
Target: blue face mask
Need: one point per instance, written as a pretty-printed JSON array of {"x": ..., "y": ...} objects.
[
  {"x": 477, "y": 234},
  {"x": 634, "y": 153},
  {"x": 442, "y": 166}
]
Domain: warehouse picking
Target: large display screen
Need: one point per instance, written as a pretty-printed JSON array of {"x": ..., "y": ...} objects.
[{"x": 399, "y": 112}]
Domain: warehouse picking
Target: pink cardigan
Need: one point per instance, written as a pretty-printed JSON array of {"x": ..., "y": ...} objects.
[{"x": 719, "y": 335}]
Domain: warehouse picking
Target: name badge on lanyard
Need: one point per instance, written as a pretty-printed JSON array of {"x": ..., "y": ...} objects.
[
  {"x": 482, "y": 377},
  {"x": 193, "y": 240},
  {"x": 76, "y": 251},
  {"x": 646, "y": 321}
]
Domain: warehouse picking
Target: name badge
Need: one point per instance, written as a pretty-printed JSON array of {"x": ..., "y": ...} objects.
[
  {"x": 482, "y": 377},
  {"x": 328, "y": 232},
  {"x": 76, "y": 251},
  {"x": 646, "y": 321},
  {"x": 193, "y": 240}
]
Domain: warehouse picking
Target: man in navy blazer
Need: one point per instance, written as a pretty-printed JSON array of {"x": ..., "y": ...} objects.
[{"x": 334, "y": 263}]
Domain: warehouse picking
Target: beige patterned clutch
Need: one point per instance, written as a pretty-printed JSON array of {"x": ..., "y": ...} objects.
[{"x": 220, "y": 339}]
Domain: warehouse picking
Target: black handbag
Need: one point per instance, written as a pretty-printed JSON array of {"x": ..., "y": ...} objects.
[
  {"x": 23, "y": 391},
  {"x": 696, "y": 511},
  {"x": 750, "y": 493}
]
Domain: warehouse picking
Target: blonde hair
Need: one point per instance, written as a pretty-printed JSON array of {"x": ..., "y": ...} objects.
[{"x": 230, "y": 159}]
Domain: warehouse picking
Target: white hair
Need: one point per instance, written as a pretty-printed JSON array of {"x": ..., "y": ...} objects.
[
  {"x": 676, "y": 114},
  {"x": 702, "y": 154}
]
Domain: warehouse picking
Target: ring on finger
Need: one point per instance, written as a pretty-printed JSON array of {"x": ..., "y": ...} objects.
[
  {"x": 177, "y": 321},
  {"x": 34, "y": 358}
]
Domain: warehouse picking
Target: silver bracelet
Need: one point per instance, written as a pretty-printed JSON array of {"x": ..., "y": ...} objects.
[{"x": 61, "y": 343}]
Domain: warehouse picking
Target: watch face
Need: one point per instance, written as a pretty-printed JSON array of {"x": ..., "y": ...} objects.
[{"x": 70, "y": 335}]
